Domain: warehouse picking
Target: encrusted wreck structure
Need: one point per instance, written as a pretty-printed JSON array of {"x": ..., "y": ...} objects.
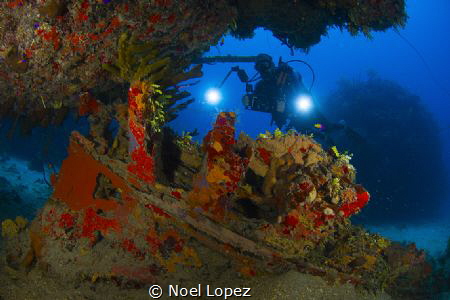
[
  {"x": 270, "y": 205},
  {"x": 145, "y": 205}
]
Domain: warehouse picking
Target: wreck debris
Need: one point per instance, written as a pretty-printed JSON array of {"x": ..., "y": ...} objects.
[{"x": 231, "y": 208}]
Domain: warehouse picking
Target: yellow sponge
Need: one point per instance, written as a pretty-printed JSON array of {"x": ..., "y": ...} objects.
[{"x": 9, "y": 228}]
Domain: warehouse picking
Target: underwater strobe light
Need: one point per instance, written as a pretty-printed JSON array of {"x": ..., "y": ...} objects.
[
  {"x": 213, "y": 96},
  {"x": 304, "y": 103}
]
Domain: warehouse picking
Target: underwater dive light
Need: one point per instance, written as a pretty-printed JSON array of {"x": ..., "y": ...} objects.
[
  {"x": 213, "y": 96},
  {"x": 303, "y": 103}
]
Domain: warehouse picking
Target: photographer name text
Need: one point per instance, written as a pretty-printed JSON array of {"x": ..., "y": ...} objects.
[{"x": 209, "y": 291}]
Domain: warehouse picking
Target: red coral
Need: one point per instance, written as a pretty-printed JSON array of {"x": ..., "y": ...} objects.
[
  {"x": 94, "y": 37},
  {"x": 351, "y": 208},
  {"x": 265, "y": 155},
  {"x": 157, "y": 210},
  {"x": 66, "y": 221},
  {"x": 137, "y": 131},
  {"x": 176, "y": 194},
  {"x": 321, "y": 218},
  {"x": 304, "y": 186},
  {"x": 132, "y": 93},
  {"x": 14, "y": 4},
  {"x": 142, "y": 165},
  {"x": 93, "y": 222},
  {"x": 115, "y": 23},
  {"x": 171, "y": 19},
  {"x": 51, "y": 215},
  {"x": 85, "y": 5},
  {"x": 50, "y": 36},
  {"x": 28, "y": 53},
  {"x": 153, "y": 241},
  {"x": 178, "y": 246},
  {"x": 290, "y": 222},
  {"x": 130, "y": 246},
  {"x": 142, "y": 162},
  {"x": 155, "y": 18},
  {"x": 82, "y": 14}
]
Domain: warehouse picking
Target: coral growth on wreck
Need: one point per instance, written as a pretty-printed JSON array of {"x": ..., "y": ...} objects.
[
  {"x": 301, "y": 24},
  {"x": 53, "y": 51},
  {"x": 276, "y": 203}
]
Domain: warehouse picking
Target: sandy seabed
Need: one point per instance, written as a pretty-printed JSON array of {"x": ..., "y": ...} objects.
[{"x": 291, "y": 285}]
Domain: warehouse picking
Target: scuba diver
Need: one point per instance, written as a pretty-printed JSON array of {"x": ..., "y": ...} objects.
[
  {"x": 275, "y": 90},
  {"x": 280, "y": 91}
]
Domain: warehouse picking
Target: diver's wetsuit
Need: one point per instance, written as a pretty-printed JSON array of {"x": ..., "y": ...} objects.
[{"x": 276, "y": 90}]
